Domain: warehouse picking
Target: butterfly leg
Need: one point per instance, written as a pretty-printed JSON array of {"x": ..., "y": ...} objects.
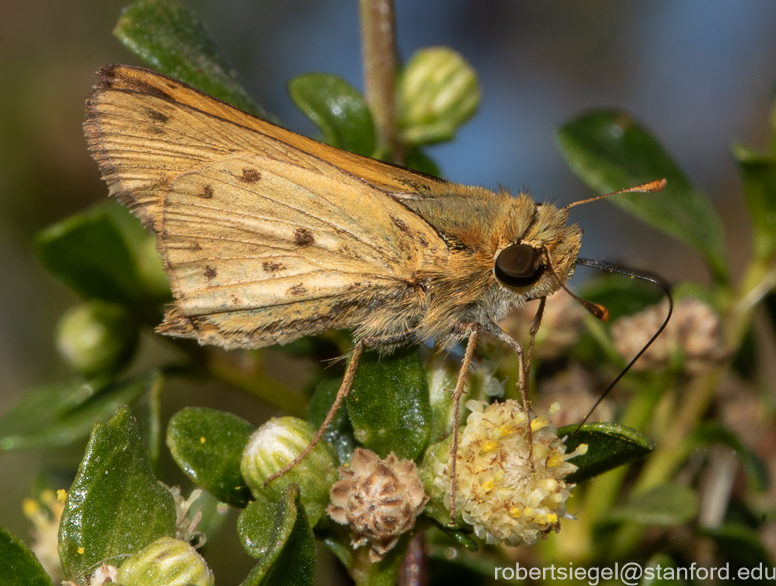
[
  {"x": 524, "y": 359},
  {"x": 474, "y": 330},
  {"x": 347, "y": 383}
]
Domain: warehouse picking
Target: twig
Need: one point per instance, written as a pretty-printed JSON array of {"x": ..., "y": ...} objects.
[{"x": 378, "y": 41}]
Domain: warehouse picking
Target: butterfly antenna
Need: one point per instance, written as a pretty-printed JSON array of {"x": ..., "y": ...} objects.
[
  {"x": 612, "y": 268},
  {"x": 651, "y": 187}
]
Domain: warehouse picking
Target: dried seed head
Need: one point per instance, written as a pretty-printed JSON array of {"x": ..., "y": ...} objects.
[
  {"x": 694, "y": 333},
  {"x": 379, "y": 499},
  {"x": 496, "y": 491}
]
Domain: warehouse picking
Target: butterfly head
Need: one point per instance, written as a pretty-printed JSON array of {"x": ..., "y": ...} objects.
[{"x": 536, "y": 256}]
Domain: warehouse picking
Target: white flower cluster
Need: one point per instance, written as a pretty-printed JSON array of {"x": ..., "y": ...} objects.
[{"x": 497, "y": 492}]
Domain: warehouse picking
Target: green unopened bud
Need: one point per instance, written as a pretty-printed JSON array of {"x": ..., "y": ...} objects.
[
  {"x": 276, "y": 444},
  {"x": 97, "y": 337},
  {"x": 437, "y": 92},
  {"x": 166, "y": 562}
]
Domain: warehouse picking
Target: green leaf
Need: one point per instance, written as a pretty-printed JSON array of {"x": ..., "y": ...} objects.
[
  {"x": 340, "y": 431},
  {"x": 279, "y": 536},
  {"x": 741, "y": 545},
  {"x": 667, "y": 505},
  {"x": 609, "y": 151},
  {"x": 759, "y": 174},
  {"x": 337, "y": 109},
  {"x": 208, "y": 445},
  {"x": 712, "y": 432},
  {"x": 18, "y": 565},
  {"x": 59, "y": 414},
  {"x": 389, "y": 404},
  {"x": 609, "y": 445},
  {"x": 142, "y": 246},
  {"x": 172, "y": 39},
  {"x": 115, "y": 506},
  {"x": 88, "y": 253}
]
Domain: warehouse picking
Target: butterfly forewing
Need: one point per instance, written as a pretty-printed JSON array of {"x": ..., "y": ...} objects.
[{"x": 263, "y": 241}]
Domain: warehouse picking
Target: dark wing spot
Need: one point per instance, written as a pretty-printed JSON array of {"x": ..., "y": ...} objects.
[
  {"x": 297, "y": 290},
  {"x": 401, "y": 224},
  {"x": 207, "y": 192},
  {"x": 155, "y": 130},
  {"x": 210, "y": 273},
  {"x": 195, "y": 246},
  {"x": 303, "y": 237},
  {"x": 272, "y": 267},
  {"x": 157, "y": 116},
  {"x": 249, "y": 175},
  {"x": 146, "y": 88},
  {"x": 107, "y": 75}
]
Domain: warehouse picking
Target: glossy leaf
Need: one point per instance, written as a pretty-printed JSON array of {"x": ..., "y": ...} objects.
[
  {"x": 609, "y": 150},
  {"x": 18, "y": 565},
  {"x": 279, "y": 536},
  {"x": 609, "y": 445},
  {"x": 337, "y": 109},
  {"x": 171, "y": 38},
  {"x": 59, "y": 414},
  {"x": 115, "y": 506},
  {"x": 340, "y": 431},
  {"x": 88, "y": 253},
  {"x": 667, "y": 505},
  {"x": 208, "y": 445},
  {"x": 759, "y": 173},
  {"x": 389, "y": 404},
  {"x": 711, "y": 432}
]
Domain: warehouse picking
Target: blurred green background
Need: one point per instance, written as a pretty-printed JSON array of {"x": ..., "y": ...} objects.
[{"x": 699, "y": 73}]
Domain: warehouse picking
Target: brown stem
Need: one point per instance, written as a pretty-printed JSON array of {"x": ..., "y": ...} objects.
[{"x": 378, "y": 40}]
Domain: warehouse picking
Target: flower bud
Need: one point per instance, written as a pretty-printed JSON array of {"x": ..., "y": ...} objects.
[
  {"x": 437, "y": 92},
  {"x": 497, "y": 493},
  {"x": 97, "y": 337},
  {"x": 276, "y": 444},
  {"x": 379, "y": 499},
  {"x": 166, "y": 562}
]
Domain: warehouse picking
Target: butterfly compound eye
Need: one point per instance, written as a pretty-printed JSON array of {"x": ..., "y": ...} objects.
[{"x": 516, "y": 266}]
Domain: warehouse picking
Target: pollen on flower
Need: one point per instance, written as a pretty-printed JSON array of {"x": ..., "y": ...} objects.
[{"x": 497, "y": 493}]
